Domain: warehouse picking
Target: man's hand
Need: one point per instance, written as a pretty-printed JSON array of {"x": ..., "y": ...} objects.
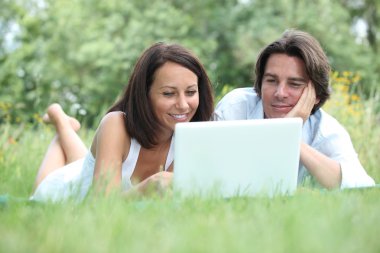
[{"x": 305, "y": 104}]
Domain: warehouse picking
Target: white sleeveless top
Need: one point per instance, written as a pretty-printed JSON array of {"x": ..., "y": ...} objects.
[
  {"x": 73, "y": 181},
  {"x": 129, "y": 164}
]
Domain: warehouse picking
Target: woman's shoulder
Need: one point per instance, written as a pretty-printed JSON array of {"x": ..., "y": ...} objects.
[
  {"x": 111, "y": 132},
  {"x": 113, "y": 117},
  {"x": 113, "y": 123}
]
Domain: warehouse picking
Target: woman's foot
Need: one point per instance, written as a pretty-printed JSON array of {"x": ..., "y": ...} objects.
[{"x": 55, "y": 113}]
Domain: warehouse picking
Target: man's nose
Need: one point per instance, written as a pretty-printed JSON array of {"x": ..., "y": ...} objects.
[{"x": 282, "y": 90}]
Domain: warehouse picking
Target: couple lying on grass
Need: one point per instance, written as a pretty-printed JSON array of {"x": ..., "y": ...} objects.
[{"x": 134, "y": 141}]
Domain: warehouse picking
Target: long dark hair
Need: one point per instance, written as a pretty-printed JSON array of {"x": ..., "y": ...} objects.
[
  {"x": 307, "y": 48},
  {"x": 140, "y": 121}
]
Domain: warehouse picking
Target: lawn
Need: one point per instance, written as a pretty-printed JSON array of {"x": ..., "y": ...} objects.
[
  {"x": 309, "y": 221},
  {"x": 313, "y": 220}
]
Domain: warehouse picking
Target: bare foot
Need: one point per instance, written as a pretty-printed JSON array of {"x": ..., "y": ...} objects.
[{"x": 55, "y": 113}]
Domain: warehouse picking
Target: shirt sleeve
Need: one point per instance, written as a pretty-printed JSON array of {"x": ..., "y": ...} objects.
[
  {"x": 229, "y": 111},
  {"x": 335, "y": 142},
  {"x": 236, "y": 105}
]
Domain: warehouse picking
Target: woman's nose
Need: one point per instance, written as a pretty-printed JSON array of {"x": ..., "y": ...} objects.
[{"x": 182, "y": 102}]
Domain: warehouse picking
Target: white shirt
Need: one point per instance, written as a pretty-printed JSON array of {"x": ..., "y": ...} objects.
[{"x": 321, "y": 131}]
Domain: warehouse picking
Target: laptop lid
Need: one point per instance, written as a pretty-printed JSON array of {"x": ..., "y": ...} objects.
[{"x": 237, "y": 158}]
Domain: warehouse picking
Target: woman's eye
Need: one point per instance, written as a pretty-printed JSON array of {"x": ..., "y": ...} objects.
[
  {"x": 191, "y": 92},
  {"x": 168, "y": 94}
]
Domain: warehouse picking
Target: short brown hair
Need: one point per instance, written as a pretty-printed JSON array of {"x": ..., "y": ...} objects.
[
  {"x": 304, "y": 46},
  {"x": 140, "y": 121}
]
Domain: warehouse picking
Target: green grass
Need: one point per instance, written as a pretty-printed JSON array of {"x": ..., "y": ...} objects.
[{"x": 312, "y": 220}]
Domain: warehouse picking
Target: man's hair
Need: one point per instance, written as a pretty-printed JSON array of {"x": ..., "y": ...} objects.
[
  {"x": 304, "y": 46},
  {"x": 140, "y": 121}
]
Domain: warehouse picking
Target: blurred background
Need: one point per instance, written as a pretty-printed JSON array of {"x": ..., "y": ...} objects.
[{"x": 80, "y": 53}]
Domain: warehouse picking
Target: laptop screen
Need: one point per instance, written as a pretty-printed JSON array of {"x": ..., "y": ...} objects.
[{"x": 237, "y": 158}]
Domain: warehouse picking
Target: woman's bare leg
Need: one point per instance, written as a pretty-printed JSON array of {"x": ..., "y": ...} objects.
[{"x": 66, "y": 146}]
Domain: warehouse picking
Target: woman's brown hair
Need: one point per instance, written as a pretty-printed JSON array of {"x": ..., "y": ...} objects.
[{"x": 140, "y": 121}]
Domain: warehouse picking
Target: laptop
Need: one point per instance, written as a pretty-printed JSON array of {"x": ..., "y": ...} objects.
[{"x": 237, "y": 158}]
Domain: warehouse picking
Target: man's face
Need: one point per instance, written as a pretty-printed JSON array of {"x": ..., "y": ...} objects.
[{"x": 283, "y": 82}]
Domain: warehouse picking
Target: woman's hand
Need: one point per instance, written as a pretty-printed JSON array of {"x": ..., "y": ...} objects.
[
  {"x": 158, "y": 183},
  {"x": 305, "y": 104}
]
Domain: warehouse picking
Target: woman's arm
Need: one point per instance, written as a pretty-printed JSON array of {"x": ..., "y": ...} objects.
[{"x": 110, "y": 147}]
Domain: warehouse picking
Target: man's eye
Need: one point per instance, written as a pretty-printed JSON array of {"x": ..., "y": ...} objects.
[{"x": 296, "y": 85}]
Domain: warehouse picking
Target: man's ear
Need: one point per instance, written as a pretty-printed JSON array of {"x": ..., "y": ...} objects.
[{"x": 317, "y": 100}]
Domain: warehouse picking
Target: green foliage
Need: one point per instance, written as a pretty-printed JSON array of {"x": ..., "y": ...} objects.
[
  {"x": 359, "y": 117},
  {"x": 80, "y": 53}
]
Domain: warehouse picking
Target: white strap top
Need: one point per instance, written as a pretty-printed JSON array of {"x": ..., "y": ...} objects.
[
  {"x": 75, "y": 179},
  {"x": 130, "y": 162}
]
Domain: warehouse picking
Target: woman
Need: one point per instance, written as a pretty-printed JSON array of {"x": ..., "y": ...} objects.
[{"x": 134, "y": 141}]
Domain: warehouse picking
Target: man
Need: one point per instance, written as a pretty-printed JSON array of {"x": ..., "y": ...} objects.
[{"x": 292, "y": 80}]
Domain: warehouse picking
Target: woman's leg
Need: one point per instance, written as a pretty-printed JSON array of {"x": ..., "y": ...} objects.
[{"x": 66, "y": 146}]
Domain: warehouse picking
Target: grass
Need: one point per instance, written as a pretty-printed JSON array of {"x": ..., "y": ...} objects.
[{"x": 312, "y": 220}]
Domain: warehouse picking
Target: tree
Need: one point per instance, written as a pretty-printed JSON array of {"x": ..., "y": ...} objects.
[{"x": 80, "y": 53}]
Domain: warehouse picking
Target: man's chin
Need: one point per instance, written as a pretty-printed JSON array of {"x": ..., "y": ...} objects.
[{"x": 276, "y": 116}]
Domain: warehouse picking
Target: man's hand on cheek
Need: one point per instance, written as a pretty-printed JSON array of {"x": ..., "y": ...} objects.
[{"x": 305, "y": 104}]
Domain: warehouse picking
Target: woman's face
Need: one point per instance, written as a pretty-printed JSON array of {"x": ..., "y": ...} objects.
[
  {"x": 174, "y": 95},
  {"x": 282, "y": 85}
]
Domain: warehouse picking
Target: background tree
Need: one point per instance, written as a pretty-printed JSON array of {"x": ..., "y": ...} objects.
[
  {"x": 80, "y": 53},
  {"x": 366, "y": 12}
]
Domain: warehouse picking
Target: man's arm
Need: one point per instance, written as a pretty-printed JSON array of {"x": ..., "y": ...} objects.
[{"x": 324, "y": 169}]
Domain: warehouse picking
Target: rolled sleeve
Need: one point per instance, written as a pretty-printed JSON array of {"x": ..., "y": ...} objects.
[
  {"x": 354, "y": 175},
  {"x": 335, "y": 142}
]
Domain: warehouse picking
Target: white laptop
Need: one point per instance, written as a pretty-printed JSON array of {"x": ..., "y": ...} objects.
[{"x": 237, "y": 158}]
